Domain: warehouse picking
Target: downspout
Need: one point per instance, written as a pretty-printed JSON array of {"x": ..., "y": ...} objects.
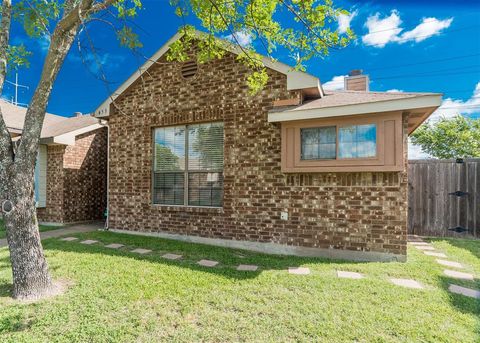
[{"x": 107, "y": 211}]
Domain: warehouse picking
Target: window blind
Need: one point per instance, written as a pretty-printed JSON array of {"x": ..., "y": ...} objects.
[{"x": 188, "y": 165}]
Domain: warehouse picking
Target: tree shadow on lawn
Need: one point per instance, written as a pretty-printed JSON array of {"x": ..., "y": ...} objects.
[
  {"x": 470, "y": 245},
  {"x": 229, "y": 259},
  {"x": 463, "y": 303}
]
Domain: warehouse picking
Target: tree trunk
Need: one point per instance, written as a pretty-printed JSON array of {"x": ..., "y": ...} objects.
[{"x": 31, "y": 279}]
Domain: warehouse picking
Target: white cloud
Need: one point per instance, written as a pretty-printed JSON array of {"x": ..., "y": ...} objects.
[
  {"x": 337, "y": 83},
  {"x": 345, "y": 20},
  {"x": 44, "y": 42},
  {"x": 244, "y": 39},
  {"x": 382, "y": 31},
  {"x": 450, "y": 108},
  {"x": 394, "y": 90},
  {"x": 428, "y": 28},
  {"x": 415, "y": 152}
]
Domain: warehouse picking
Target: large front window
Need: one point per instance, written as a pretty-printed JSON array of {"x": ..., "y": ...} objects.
[{"x": 188, "y": 165}]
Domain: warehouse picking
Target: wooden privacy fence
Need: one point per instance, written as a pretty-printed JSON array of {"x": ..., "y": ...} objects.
[{"x": 444, "y": 198}]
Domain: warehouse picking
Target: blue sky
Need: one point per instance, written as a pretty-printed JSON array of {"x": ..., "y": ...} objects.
[{"x": 431, "y": 46}]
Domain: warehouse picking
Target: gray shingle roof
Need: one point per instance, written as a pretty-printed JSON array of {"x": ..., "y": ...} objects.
[{"x": 53, "y": 125}]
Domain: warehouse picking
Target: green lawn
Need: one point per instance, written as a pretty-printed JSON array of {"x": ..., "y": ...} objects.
[
  {"x": 118, "y": 296},
  {"x": 42, "y": 229}
]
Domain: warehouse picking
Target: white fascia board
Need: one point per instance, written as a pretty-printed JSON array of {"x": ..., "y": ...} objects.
[
  {"x": 69, "y": 137},
  {"x": 422, "y": 101},
  {"x": 295, "y": 79}
]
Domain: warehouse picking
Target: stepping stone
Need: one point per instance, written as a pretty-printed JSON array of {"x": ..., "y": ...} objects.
[
  {"x": 207, "y": 263},
  {"x": 88, "y": 242},
  {"x": 436, "y": 254},
  {"x": 172, "y": 256},
  {"x": 468, "y": 292},
  {"x": 419, "y": 243},
  {"x": 424, "y": 247},
  {"x": 247, "y": 267},
  {"x": 458, "y": 275},
  {"x": 349, "y": 275},
  {"x": 299, "y": 270},
  {"x": 69, "y": 239},
  {"x": 407, "y": 283},
  {"x": 141, "y": 251},
  {"x": 449, "y": 263},
  {"x": 114, "y": 246}
]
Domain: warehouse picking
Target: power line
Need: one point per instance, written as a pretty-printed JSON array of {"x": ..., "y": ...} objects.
[{"x": 425, "y": 62}]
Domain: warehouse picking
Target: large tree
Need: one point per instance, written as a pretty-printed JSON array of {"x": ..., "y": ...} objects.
[
  {"x": 457, "y": 137},
  {"x": 305, "y": 28}
]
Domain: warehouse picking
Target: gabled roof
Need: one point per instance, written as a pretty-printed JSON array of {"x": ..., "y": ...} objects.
[
  {"x": 56, "y": 129},
  {"x": 345, "y": 103},
  {"x": 296, "y": 80}
]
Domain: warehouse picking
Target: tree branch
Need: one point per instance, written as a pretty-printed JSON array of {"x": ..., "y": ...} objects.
[{"x": 6, "y": 146}]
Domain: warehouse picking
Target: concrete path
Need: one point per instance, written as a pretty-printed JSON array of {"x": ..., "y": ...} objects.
[{"x": 78, "y": 228}]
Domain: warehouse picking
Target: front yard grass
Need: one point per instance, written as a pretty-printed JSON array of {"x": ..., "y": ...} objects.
[
  {"x": 41, "y": 227},
  {"x": 118, "y": 296}
]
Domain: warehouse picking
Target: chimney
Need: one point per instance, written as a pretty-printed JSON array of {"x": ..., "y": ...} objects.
[
  {"x": 356, "y": 81},
  {"x": 77, "y": 114}
]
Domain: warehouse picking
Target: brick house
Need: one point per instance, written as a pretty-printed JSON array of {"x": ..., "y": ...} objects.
[
  {"x": 71, "y": 168},
  {"x": 294, "y": 169}
]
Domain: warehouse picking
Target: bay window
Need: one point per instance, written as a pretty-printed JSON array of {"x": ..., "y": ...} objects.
[{"x": 188, "y": 165}]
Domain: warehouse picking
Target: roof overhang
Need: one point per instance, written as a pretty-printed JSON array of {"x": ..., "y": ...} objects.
[
  {"x": 422, "y": 106},
  {"x": 69, "y": 137},
  {"x": 296, "y": 80}
]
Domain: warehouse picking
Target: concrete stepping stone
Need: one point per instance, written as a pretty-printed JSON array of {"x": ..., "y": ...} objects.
[
  {"x": 172, "y": 256},
  {"x": 88, "y": 242},
  {"x": 468, "y": 292},
  {"x": 458, "y": 275},
  {"x": 449, "y": 263},
  {"x": 69, "y": 239},
  {"x": 114, "y": 246},
  {"x": 247, "y": 267},
  {"x": 349, "y": 275},
  {"x": 436, "y": 254},
  {"x": 207, "y": 263},
  {"x": 424, "y": 247},
  {"x": 409, "y": 283},
  {"x": 141, "y": 251},
  {"x": 299, "y": 270},
  {"x": 418, "y": 243}
]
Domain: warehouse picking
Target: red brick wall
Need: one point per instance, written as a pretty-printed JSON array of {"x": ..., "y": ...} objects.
[
  {"x": 352, "y": 211},
  {"x": 77, "y": 180}
]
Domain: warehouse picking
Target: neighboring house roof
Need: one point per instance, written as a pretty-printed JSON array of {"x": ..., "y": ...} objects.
[
  {"x": 296, "y": 80},
  {"x": 14, "y": 117},
  {"x": 344, "y": 103},
  {"x": 56, "y": 129}
]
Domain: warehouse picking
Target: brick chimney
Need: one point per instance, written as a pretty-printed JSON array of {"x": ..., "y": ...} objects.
[{"x": 356, "y": 81}]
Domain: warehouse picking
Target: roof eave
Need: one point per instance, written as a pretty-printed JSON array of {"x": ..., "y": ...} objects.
[
  {"x": 296, "y": 80},
  {"x": 423, "y": 101}
]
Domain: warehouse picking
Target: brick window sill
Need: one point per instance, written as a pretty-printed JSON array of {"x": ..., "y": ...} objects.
[{"x": 189, "y": 209}]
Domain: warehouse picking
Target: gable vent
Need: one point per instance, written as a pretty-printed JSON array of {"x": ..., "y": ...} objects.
[{"x": 189, "y": 69}]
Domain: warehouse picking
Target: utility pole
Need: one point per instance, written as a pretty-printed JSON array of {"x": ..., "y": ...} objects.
[{"x": 17, "y": 85}]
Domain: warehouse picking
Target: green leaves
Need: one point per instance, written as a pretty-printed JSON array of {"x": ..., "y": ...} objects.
[
  {"x": 35, "y": 15},
  {"x": 128, "y": 38},
  {"x": 306, "y": 29},
  {"x": 17, "y": 57},
  {"x": 449, "y": 138}
]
